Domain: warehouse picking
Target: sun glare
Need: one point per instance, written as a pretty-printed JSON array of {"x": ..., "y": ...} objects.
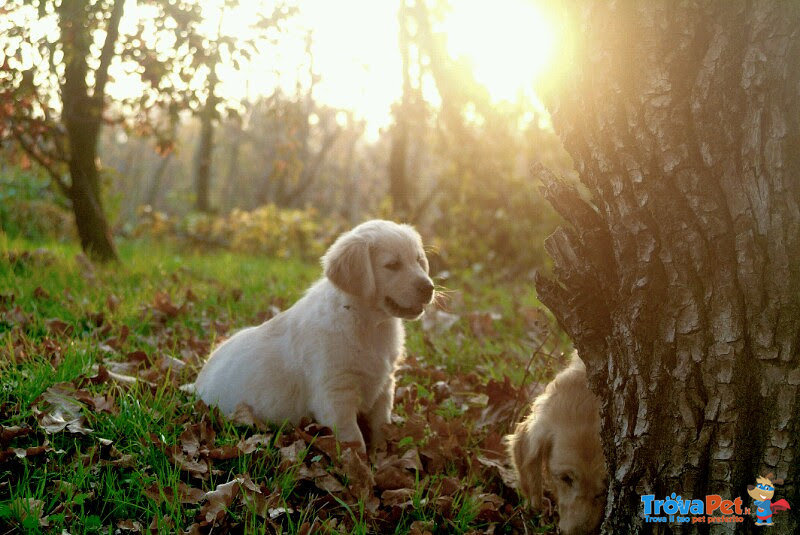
[{"x": 508, "y": 42}]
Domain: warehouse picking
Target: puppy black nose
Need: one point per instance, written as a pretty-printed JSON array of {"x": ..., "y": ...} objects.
[{"x": 425, "y": 289}]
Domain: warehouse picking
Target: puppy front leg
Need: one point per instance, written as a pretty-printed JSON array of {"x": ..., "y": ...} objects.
[
  {"x": 339, "y": 411},
  {"x": 379, "y": 414}
]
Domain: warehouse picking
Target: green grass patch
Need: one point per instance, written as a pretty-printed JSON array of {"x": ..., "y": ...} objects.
[{"x": 122, "y": 338}]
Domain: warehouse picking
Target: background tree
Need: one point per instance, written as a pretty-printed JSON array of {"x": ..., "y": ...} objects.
[
  {"x": 679, "y": 282},
  {"x": 399, "y": 184},
  {"x": 482, "y": 151},
  {"x": 222, "y": 48},
  {"x": 73, "y": 63}
]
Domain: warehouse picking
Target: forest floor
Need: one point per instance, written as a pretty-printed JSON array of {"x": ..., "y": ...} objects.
[{"x": 97, "y": 436}]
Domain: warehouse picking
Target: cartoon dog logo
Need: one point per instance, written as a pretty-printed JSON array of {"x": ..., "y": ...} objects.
[{"x": 762, "y": 494}]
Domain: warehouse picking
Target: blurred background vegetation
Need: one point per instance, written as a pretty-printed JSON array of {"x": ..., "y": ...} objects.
[{"x": 240, "y": 125}]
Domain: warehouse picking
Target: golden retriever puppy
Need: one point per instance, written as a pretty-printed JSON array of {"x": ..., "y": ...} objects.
[
  {"x": 332, "y": 355},
  {"x": 558, "y": 446}
]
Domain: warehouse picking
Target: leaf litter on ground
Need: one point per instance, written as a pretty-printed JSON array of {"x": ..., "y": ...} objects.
[{"x": 443, "y": 467}]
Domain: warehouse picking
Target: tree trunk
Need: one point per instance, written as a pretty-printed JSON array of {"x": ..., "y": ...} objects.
[
  {"x": 680, "y": 283},
  {"x": 82, "y": 116},
  {"x": 154, "y": 191},
  {"x": 205, "y": 147},
  {"x": 399, "y": 187}
]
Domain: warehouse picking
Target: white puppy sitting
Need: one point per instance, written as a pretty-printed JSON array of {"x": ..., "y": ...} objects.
[
  {"x": 559, "y": 445},
  {"x": 332, "y": 355}
]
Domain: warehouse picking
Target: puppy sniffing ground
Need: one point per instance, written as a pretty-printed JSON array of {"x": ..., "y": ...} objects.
[
  {"x": 558, "y": 447},
  {"x": 332, "y": 355}
]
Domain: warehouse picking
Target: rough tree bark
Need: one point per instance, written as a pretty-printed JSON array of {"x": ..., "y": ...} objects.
[
  {"x": 82, "y": 118},
  {"x": 679, "y": 282}
]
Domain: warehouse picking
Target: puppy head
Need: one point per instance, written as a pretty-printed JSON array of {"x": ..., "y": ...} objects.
[
  {"x": 559, "y": 444},
  {"x": 578, "y": 473},
  {"x": 382, "y": 262}
]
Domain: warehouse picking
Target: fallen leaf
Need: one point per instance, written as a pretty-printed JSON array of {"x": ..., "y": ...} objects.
[
  {"x": 24, "y": 508},
  {"x": 291, "y": 454},
  {"x": 129, "y": 525},
  {"x": 358, "y": 473},
  {"x": 58, "y": 409},
  {"x": 163, "y": 304},
  {"x": 59, "y": 327},
  {"x": 397, "y": 497},
  {"x": 250, "y": 444},
  {"x": 112, "y": 302},
  {"x": 328, "y": 483},
  {"x": 40, "y": 293},
  {"x": 7, "y": 434}
]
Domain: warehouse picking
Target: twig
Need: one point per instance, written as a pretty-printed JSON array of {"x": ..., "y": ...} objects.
[
  {"x": 31, "y": 151},
  {"x": 515, "y": 410}
]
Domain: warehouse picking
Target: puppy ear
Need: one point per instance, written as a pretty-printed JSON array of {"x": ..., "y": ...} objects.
[
  {"x": 347, "y": 265},
  {"x": 529, "y": 446}
]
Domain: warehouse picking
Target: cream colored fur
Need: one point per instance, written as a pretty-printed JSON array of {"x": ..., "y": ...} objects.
[
  {"x": 558, "y": 447},
  {"x": 332, "y": 355}
]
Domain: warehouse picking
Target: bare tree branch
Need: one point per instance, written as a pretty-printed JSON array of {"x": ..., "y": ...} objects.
[
  {"x": 112, "y": 33},
  {"x": 30, "y": 149}
]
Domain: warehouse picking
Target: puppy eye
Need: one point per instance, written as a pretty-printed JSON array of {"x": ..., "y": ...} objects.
[
  {"x": 566, "y": 480},
  {"x": 393, "y": 266}
]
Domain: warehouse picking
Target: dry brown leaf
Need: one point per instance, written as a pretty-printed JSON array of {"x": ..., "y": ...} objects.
[
  {"x": 21, "y": 453},
  {"x": 59, "y": 327},
  {"x": 393, "y": 473},
  {"x": 221, "y": 498},
  {"x": 40, "y": 293},
  {"x": 359, "y": 475},
  {"x": 448, "y": 486},
  {"x": 163, "y": 304},
  {"x": 310, "y": 472},
  {"x": 250, "y": 444},
  {"x": 129, "y": 525},
  {"x": 218, "y": 500},
  {"x": 243, "y": 414},
  {"x": 290, "y": 454},
  {"x": 22, "y": 508},
  {"x": 194, "y": 467},
  {"x": 421, "y": 527},
  {"x": 328, "y": 483},
  {"x": 157, "y": 525},
  {"x": 112, "y": 302},
  {"x": 7, "y": 434},
  {"x": 397, "y": 497},
  {"x": 489, "y": 509},
  {"x": 58, "y": 409},
  {"x": 392, "y": 478},
  {"x": 189, "y": 495}
]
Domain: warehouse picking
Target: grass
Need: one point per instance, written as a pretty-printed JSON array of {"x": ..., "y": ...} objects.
[{"x": 63, "y": 321}]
